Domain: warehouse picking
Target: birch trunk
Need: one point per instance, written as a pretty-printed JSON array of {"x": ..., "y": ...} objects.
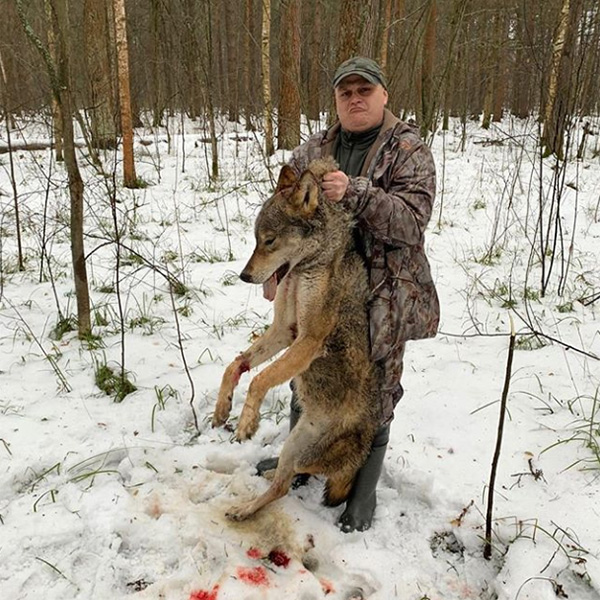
[
  {"x": 266, "y": 76},
  {"x": 129, "y": 176}
]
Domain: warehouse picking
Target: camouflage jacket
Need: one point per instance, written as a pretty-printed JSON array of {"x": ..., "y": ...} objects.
[{"x": 392, "y": 202}]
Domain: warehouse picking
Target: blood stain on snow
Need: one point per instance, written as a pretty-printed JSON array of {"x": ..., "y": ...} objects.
[
  {"x": 279, "y": 558},
  {"x": 253, "y": 576},
  {"x": 254, "y": 553},
  {"x": 327, "y": 586},
  {"x": 204, "y": 594}
]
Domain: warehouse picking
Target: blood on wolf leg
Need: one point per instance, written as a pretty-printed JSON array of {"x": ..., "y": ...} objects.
[{"x": 244, "y": 367}]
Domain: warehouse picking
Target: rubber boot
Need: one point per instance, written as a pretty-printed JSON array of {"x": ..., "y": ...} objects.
[
  {"x": 270, "y": 464},
  {"x": 361, "y": 503}
]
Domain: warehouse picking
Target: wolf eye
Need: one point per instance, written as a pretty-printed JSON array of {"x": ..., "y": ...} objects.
[{"x": 269, "y": 241}]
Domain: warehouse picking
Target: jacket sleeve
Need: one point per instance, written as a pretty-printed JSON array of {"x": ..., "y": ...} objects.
[
  {"x": 398, "y": 214},
  {"x": 306, "y": 152}
]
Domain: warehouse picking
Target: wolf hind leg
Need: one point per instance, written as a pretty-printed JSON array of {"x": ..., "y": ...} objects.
[
  {"x": 339, "y": 460},
  {"x": 337, "y": 489},
  {"x": 304, "y": 435},
  {"x": 278, "y": 488}
]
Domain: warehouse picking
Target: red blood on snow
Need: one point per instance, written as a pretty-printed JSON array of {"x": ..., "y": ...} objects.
[
  {"x": 204, "y": 594},
  {"x": 327, "y": 586},
  {"x": 253, "y": 576},
  {"x": 254, "y": 553},
  {"x": 279, "y": 558}
]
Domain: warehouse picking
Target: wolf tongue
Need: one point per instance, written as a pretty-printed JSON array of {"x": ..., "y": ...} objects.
[{"x": 270, "y": 288}]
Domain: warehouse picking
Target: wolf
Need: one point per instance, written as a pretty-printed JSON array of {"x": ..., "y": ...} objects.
[{"x": 306, "y": 259}]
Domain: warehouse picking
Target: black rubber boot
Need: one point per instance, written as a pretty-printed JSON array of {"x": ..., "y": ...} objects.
[
  {"x": 361, "y": 503},
  {"x": 270, "y": 464}
]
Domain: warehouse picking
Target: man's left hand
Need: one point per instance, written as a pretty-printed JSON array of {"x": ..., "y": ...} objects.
[{"x": 335, "y": 185}]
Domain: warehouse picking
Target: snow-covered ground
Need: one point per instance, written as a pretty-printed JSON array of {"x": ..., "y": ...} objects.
[{"x": 110, "y": 500}]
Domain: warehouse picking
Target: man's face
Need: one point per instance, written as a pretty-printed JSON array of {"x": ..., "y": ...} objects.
[{"x": 359, "y": 103}]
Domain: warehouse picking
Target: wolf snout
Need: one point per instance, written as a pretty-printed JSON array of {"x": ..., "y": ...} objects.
[{"x": 245, "y": 276}]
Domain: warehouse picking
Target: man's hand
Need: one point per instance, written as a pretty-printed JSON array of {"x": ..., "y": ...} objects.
[{"x": 335, "y": 185}]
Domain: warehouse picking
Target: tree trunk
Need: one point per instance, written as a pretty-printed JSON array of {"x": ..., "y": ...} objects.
[
  {"x": 210, "y": 87},
  {"x": 56, "y": 111},
  {"x": 428, "y": 58},
  {"x": 288, "y": 115},
  {"x": 589, "y": 96},
  {"x": 232, "y": 30},
  {"x": 59, "y": 82},
  {"x": 385, "y": 34},
  {"x": 500, "y": 73},
  {"x": 489, "y": 62},
  {"x": 369, "y": 21},
  {"x": 13, "y": 179},
  {"x": 396, "y": 82},
  {"x": 102, "y": 110},
  {"x": 158, "y": 98},
  {"x": 557, "y": 108},
  {"x": 219, "y": 68},
  {"x": 247, "y": 94},
  {"x": 129, "y": 176},
  {"x": 84, "y": 326},
  {"x": 266, "y": 76},
  {"x": 196, "y": 71},
  {"x": 314, "y": 70},
  {"x": 350, "y": 29}
]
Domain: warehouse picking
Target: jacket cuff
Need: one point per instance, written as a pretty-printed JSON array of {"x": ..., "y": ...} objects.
[{"x": 356, "y": 191}]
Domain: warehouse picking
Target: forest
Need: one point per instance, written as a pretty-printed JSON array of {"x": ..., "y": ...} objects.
[{"x": 470, "y": 59}]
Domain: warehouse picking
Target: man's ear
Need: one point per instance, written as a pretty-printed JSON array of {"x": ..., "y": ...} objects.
[
  {"x": 287, "y": 178},
  {"x": 305, "y": 197}
]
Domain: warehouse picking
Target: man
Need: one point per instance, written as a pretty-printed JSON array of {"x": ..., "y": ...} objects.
[{"x": 386, "y": 181}]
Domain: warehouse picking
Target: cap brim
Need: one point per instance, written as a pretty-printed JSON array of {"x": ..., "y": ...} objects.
[{"x": 364, "y": 74}]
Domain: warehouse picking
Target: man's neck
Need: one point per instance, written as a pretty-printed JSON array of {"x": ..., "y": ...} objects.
[
  {"x": 364, "y": 133},
  {"x": 354, "y": 137}
]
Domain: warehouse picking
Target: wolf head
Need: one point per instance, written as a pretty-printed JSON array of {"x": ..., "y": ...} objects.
[{"x": 286, "y": 223}]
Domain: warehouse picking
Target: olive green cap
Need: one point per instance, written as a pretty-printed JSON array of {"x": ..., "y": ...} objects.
[{"x": 359, "y": 65}]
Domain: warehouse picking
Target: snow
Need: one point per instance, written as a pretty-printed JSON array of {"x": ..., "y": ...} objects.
[{"x": 112, "y": 500}]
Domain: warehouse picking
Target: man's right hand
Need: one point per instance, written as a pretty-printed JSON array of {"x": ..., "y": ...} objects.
[{"x": 335, "y": 185}]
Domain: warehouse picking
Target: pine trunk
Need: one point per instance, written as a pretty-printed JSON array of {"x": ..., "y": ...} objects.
[
  {"x": 102, "y": 110},
  {"x": 314, "y": 70},
  {"x": 350, "y": 29},
  {"x": 428, "y": 58},
  {"x": 385, "y": 34},
  {"x": 288, "y": 115}
]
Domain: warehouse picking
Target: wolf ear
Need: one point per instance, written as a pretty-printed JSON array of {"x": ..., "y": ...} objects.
[
  {"x": 305, "y": 197},
  {"x": 287, "y": 178}
]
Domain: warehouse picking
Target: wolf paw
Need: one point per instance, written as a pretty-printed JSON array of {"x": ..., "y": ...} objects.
[
  {"x": 222, "y": 410},
  {"x": 238, "y": 513},
  {"x": 248, "y": 424}
]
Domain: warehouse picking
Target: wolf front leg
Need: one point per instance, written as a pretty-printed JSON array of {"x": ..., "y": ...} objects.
[
  {"x": 275, "y": 339},
  {"x": 229, "y": 382},
  {"x": 295, "y": 360}
]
